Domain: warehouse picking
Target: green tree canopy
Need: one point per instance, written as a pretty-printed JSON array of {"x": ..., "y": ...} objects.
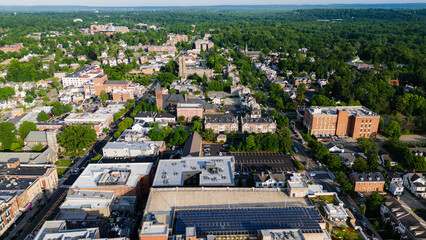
[
  {"x": 7, "y": 134},
  {"x": 42, "y": 117},
  {"x": 25, "y": 128},
  {"x": 392, "y": 129},
  {"x": 77, "y": 137},
  {"x": 360, "y": 165}
]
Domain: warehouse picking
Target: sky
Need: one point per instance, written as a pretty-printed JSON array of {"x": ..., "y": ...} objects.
[{"x": 141, "y": 3}]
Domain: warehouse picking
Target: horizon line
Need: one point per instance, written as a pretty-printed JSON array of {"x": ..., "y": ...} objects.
[{"x": 219, "y": 5}]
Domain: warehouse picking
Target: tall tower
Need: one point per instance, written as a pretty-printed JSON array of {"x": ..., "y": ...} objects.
[
  {"x": 159, "y": 96},
  {"x": 182, "y": 66}
]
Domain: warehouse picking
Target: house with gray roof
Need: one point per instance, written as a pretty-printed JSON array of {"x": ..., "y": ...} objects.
[{"x": 270, "y": 180}]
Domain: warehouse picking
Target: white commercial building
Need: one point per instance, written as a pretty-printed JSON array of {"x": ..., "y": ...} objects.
[
  {"x": 335, "y": 212},
  {"x": 82, "y": 76},
  {"x": 195, "y": 171},
  {"x": 131, "y": 149}
]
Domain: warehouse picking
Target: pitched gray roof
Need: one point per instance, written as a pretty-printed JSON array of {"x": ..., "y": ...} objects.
[
  {"x": 36, "y": 136},
  {"x": 193, "y": 145}
]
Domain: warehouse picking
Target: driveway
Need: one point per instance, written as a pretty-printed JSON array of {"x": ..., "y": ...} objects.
[{"x": 411, "y": 201}]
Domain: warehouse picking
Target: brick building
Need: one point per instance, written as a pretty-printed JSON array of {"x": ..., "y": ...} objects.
[
  {"x": 221, "y": 124},
  {"x": 189, "y": 110},
  {"x": 99, "y": 120},
  {"x": 367, "y": 182},
  {"x": 258, "y": 125},
  {"x": 354, "y": 121},
  {"x": 9, "y": 211},
  {"x": 51, "y": 126},
  {"x": 120, "y": 90},
  {"x": 12, "y": 48},
  {"x": 205, "y": 45},
  {"x": 127, "y": 179},
  {"x": 160, "y": 49},
  {"x": 85, "y": 75}
]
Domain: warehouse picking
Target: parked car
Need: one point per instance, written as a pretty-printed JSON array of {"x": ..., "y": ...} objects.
[
  {"x": 364, "y": 223},
  {"x": 337, "y": 189},
  {"x": 353, "y": 209},
  {"x": 360, "y": 195}
]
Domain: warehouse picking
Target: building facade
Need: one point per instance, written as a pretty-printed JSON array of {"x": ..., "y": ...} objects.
[
  {"x": 258, "y": 125},
  {"x": 221, "y": 124},
  {"x": 354, "y": 121},
  {"x": 367, "y": 182},
  {"x": 189, "y": 110}
]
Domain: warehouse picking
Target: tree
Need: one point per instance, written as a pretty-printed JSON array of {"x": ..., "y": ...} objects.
[
  {"x": 300, "y": 95},
  {"x": 360, "y": 165},
  {"x": 372, "y": 160},
  {"x": 103, "y": 97},
  {"x": 318, "y": 150},
  {"x": 209, "y": 135},
  {"x": 393, "y": 129},
  {"x": 25, "y": 128},
  {"x": 333, "y": 161},
  {"x": 179, "y": 136},
  {"x": 7, "y": 134},
  {"x": 42, "y": 117},
  {"x": 16, "y": 147},
  {"x": 37, "y": 148},
  {"x": 362, "y": 208},
  {"x": 196, "y": 126},
  {"x": 367, "y": 144},
  {"x": 250, "y": 144},
  {"x": 158, "y": 133},
  {"x": 60, "y": 108},
  {"x": 270, "y": 142},
  {"x": 374, "y": 201},
  {"x": 77, "y": 137},
  {"x": 181, "y": 119}
]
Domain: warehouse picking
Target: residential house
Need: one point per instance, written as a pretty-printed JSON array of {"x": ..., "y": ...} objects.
[
  {"x": 415, "y": 183},
  {"x": 396, "y": 186},
  {"x": 269, "y": 180},
  {"x": 402, "y": 219}
]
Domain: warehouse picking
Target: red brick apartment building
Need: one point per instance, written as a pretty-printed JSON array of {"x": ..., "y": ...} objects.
[
  {"x": 367, "y": 182},
  {"x": 189, "y": 110},
  {"x": 12, "y": 48},
  {"x": 353, "y": 121}
]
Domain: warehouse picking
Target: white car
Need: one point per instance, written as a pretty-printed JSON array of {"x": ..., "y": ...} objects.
[{"x": 360, "y": 195}]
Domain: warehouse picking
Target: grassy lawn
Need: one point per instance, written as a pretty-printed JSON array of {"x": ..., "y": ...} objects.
[
  {"x": 63, "y": 166},
  {"x": 323, "y": 200},
  {"x": 63, "y": 163}
]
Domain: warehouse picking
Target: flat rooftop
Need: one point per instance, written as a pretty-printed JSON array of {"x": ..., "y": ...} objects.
[
  {"x": 263, "y": 161},
  {"x": 231, "y": 221},
  {"x": 16, "y": 184},
  {"x": 110, "y": 109},
  {"x": 163, "y": 201},
  {"x": 88, "y": 199},
  {"x": 88, "y": 117},
  {"x": 148, "y": 228},
  {"x": 112, "y": 175},
  {"x": 357, "y": 111},
  {"x": 195, "y": 171}
]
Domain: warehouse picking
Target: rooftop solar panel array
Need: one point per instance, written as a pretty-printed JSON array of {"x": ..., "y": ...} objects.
[{"x": 247, "y": 220}]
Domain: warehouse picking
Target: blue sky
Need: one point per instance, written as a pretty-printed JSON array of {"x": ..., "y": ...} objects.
[{"x": 193, "y": 2}]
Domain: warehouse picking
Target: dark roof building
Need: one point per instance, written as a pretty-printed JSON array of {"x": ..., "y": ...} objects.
[{"x": 193, "y": 145}]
